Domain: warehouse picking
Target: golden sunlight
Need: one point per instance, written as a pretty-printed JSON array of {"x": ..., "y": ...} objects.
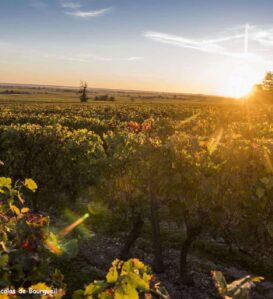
[{"x": 242, "y": 81}]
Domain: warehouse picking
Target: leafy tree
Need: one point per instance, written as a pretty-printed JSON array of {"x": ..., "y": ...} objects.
[{"x": 268, "y": 82}]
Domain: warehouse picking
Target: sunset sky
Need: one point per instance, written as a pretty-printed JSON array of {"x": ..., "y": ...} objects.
[{"x": 197, "y": 46}]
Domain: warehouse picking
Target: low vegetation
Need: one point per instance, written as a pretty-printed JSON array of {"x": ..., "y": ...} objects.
[{"x": 169, "y": 175}]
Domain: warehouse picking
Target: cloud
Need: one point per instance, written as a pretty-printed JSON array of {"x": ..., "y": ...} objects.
[
  {"x": 264, "y": 37},
  {"x": 206, "y": 45},
  {"x": 85, "y": 58},
  {"x": 90, "y": 57},
  {"x": 221, "y": 45},
  {"x": 70, "y": 4},
  {"x": 133, "y": 58},
  {"x": 88, "y": 14}
]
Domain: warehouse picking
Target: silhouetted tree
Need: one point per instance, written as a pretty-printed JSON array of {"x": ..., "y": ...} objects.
[
  {"x": 268, "y": 82},
  {"x": 83, "y": 92}
]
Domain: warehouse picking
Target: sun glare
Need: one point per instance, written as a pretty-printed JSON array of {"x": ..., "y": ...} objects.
[{"x": 242, "y": 81}]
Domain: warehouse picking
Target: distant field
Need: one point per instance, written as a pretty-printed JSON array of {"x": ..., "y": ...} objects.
[{"x": 49, "y": 95}]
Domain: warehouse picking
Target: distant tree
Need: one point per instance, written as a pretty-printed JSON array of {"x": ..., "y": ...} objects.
[
  {"x": 105, "y": 97},
  {"x": 83, "y": 92},
  {"x": 268, "y": 82}
]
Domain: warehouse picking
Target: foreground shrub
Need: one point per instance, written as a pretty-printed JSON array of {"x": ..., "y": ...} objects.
[
  {"x": 131, "y": 279},
  {"x": 28, "y": 248},
  {"x": 29, "y": 251}
]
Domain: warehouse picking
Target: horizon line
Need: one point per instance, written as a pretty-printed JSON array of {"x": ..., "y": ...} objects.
[{"x": 114, "y": 89}]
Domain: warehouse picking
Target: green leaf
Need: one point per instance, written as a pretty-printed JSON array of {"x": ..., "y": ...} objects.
[
  {"x": 109, "y": 294},
  {"x": 78, "y": 295},
  {"x": 4, "y": 259},
  {"x": 95, "y": 288}
]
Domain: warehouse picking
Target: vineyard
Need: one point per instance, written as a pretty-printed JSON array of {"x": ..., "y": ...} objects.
[{"x": 186, "y": 188}]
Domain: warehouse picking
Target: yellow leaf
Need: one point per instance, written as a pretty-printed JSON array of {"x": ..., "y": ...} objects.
[
  {"x": 5, "y": 182},
  {"x": 31, "y": 185},
  {"x": 257, "y": 279},
  {"x": 41, "y": 286},
  {"x": 15, "y": 209},
  {"x": 25, "y": 210},
  {"x": 44, "y": 290}
]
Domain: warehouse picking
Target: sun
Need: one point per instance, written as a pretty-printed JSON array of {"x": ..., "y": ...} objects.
[
  {"x": 241, "y": 81},
  {"x": 240, "y": 86}
]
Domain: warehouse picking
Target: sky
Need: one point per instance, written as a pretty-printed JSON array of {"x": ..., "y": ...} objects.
[{"x": 194, "y": 46}]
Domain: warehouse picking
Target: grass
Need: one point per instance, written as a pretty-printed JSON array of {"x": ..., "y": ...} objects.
[{"x": 60, "y": 95}]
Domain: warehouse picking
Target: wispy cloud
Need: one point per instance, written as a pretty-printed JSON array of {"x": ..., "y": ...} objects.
[
  {"x": 88, "y": 14},
  {"x": 133, "y": 58},
  {"x": 85, "y": 58},
  {"x": 264, "y": 37},
  {"x": 221, "y": 45},
  {"x": 206, "y": 45},
  {"x": 70, "y": 4},
  {"x": 91, "y": 57}
]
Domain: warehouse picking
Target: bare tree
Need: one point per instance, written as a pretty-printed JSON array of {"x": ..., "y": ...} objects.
[{"x": 83, "y": 92}]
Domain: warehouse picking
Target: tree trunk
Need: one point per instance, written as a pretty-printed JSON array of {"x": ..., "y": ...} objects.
[
  {"x": 191, "y": 234},
  {"x": 35, "y": 202},
  {"x": 132, "y": 237},
  {"x": 157, "y": 248}
]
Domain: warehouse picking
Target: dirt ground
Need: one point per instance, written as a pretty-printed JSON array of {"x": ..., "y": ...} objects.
[{"x": 95, "y": 257}]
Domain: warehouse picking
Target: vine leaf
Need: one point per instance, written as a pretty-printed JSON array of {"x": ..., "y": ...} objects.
[{"x": 31, "y": 185}]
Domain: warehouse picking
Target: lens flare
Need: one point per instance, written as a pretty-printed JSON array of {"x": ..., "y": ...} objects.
[{"x": 72, "y": 226}]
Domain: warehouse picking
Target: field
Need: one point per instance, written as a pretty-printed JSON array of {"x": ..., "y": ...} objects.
[{"x": 182, "y": 182}]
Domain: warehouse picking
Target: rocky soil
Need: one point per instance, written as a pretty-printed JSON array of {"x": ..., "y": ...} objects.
[{"x": 96, "y": 255}]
